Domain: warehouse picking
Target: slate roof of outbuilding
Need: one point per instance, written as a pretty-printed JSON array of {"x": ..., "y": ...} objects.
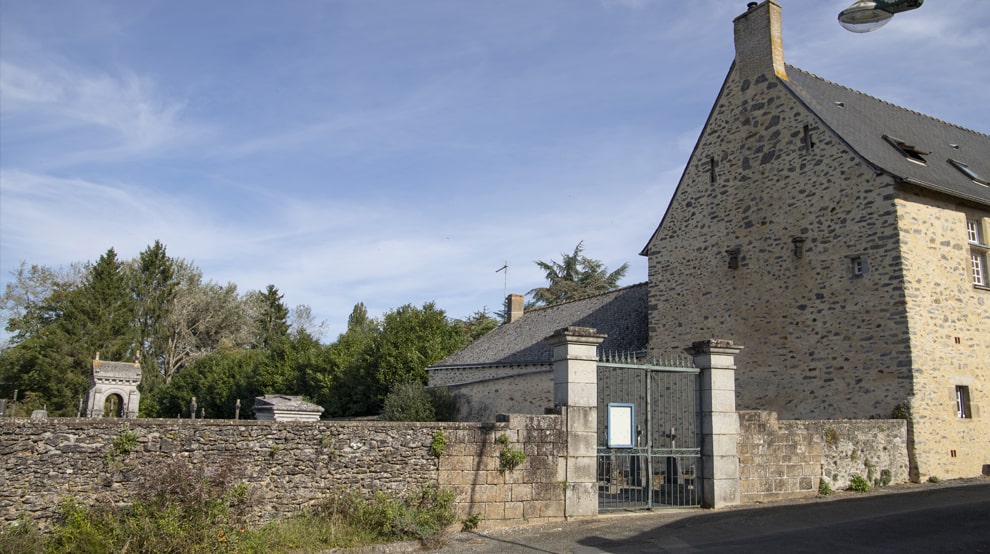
[
  {"x": 620, "y": 314},
  {"x": 862, "y": 120}
]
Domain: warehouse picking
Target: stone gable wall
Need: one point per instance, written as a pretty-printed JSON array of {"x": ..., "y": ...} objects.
[
  {"x": 787, "y": 458},
  {"x": 287, "y": 465},
  {"x": 810, "y": 328}
]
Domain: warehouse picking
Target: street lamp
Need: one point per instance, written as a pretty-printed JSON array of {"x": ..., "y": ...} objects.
[{"x": 869, "y": 15}]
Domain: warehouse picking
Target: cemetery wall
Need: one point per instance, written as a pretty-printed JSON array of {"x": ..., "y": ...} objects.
[{"x": 287, "y": 465}]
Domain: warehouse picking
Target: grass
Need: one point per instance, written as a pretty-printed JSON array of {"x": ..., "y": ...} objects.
[{"x": 184, "y": 510}]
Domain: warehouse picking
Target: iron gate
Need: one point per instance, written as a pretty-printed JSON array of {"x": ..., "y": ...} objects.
[{"x": 649, "y": 432}]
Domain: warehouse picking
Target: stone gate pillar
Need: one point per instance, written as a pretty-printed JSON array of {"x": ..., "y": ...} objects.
[
  {"x": 575, "y": 393},
  {"x": 719, "y": 421}
]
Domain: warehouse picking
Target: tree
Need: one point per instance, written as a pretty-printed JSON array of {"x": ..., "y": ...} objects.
[
  {"x": 575, "y": 276},
  {"x": 154, "y": 288},
  {"x": 101, "y": 311},
  {"x": 478, "y": 325},
  {"x": 271, "y": 317},
  {"x": 204, "y": 317},
  {"x": 342, "y": 387},
  {"x": 410, "y": 340},
  {"x": 59, "y": 335}
]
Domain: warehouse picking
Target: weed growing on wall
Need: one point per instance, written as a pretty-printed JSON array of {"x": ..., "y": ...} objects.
[
  {"x": 859, "y": 484},
  {"x": 439, "y": 444},
  {"x": 510, "y": 458},
  {"x": 121, "y": 446},
  {"x": 831, "y": 436},
  {"x": 823, "y": 487},
  {"x": 471, "y": 522}
]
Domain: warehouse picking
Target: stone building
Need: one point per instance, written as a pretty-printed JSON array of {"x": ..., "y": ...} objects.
[
  {"x": 843, "y": 241},
  {"x": 510, "y": 370},
  {"x": 113, "y": 389}
]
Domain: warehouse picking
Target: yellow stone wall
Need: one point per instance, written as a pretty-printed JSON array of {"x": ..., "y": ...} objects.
[{"x": 949, "y": 319}]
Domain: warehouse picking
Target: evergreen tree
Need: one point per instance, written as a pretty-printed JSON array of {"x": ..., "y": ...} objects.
[
  {"x": 271, "y": 318},
  {"x": 154, "y": 288},
  {"x": 575, "y": 276}
]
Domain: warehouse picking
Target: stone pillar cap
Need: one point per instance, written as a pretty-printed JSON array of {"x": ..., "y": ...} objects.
[{"x": 712, "y": 345}]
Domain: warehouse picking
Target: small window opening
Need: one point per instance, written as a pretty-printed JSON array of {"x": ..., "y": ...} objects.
[
  {"x": 968, "y": 171},
  {"x": 962, "y": 402},
  {"x": 733, "y": 258},
  {"x": 798, "y": 243},
  {"x": 808, "y": 143},
  {"x": 909, "y": 151},
  {"x": 857, "y": 266},
  {"x": 711, "y": 170}
]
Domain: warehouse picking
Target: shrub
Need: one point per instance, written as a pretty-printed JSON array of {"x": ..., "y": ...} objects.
[
  {"x": 439, "y": 444},
  {"x": 885, "y": 477},
  {"x": 471, "y": 522},
  {"x": 423, "y": 515},
  {"x": 444, "y": 403},
  {"x": 823, "y": 487},
  {"x": 179, "y": 509},
  {"x": 21, "y": 536},
  {"x": 933, "y": 479},
  {"x": 859, "y": 484},
  {"x": 409, "y": 401},
  {"x": 414, "y": 401}
]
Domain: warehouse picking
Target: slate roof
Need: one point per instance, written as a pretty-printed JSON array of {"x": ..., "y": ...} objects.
[
  {"x": 862, "y": 121},
  {"x": 620, "y": 314}
]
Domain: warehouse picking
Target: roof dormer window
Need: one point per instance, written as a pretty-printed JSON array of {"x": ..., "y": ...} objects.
[
  {"x": 909, "y": 151},
  {"x": 968, "y": 171}
]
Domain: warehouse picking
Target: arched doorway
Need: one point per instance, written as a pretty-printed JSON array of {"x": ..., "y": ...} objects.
[{"x": 113, "y": 406}]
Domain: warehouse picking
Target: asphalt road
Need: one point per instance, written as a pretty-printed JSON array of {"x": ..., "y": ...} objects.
[{"x": 913, "y": 518}]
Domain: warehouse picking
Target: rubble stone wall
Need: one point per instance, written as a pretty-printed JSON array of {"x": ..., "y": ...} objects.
[
  {"x": 785, "y": 459},
  {"x": 288, "y": 466}
]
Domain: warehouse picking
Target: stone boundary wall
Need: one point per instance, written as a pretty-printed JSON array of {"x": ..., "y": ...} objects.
[
  {"x": 787, "y": 459},
  {"x": 287, "y": 465}
]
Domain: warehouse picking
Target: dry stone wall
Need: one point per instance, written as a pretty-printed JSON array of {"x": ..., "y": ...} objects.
[
  {"x": 287, "y": 465},
  {"x": 788, "y": 458}
]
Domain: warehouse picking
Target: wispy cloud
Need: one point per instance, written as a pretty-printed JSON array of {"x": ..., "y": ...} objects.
[{"x": 121, "y": 115}]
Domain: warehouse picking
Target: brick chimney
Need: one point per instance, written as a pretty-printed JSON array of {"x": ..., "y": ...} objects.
[
  {"x": 513, "y": 307},
  {"x": 759, "y": 45}
]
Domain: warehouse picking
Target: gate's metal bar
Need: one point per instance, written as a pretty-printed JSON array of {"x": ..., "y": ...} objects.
[{"x": 665, "y": 461}]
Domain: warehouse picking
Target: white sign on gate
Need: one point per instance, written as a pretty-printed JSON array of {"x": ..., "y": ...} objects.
[{"x": 620, "y": 425}]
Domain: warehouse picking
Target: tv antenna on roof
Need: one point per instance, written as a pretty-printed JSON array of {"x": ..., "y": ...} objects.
[{"x": 505, "y": 282}]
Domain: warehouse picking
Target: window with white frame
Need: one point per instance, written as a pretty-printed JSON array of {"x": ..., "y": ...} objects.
[
  {"x": 977, "y": 253},
  {"x": 963, "y": 409}
]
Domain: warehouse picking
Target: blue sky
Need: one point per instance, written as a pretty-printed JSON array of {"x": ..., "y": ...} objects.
[{"x": 393, "y": 152}]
